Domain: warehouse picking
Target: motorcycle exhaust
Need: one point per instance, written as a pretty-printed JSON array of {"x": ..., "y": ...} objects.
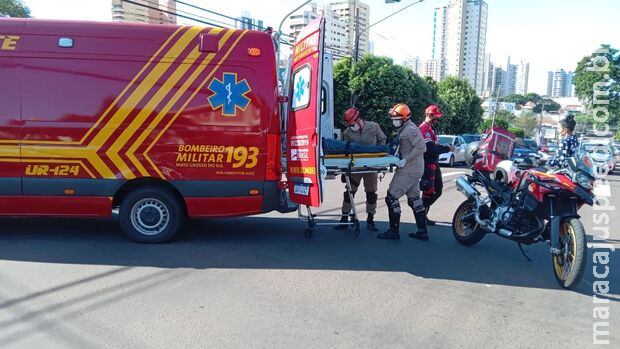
[
  {"x": 505, "y": 233},
  {"x": 464, "y": 187}
]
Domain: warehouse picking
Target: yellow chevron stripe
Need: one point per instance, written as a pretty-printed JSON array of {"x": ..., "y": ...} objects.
[
  {"x": 164, "y": 111},
  {"x": 147, "y": 84},
  {"x": 57, "y": 152},
  {"x": 9, "y": 151},
  {"x": 118, "y": 98},
  {"x": 196, "y": 91}
]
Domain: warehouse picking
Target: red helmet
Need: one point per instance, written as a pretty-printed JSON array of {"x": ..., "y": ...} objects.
[
  {"x": 351, "y": 115},
  {"x": 400, "y": 111},
  {"x": 433, "y": 110}
]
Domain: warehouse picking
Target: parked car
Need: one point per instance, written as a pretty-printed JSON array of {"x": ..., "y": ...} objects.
[
  {"x": 525, "y": 148},
  {"x": 552, "y": 149},
  {"x": 602, "y": 154},
  {"x": 450, "y": 158},
  {"x": 469, "y": 138}
]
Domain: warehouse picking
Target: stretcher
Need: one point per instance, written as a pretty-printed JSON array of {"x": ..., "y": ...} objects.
[{"x": 344, "y": 166}]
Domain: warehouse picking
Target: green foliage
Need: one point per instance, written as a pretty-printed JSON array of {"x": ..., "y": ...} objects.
[
  {"x": 14, "y": 8},
  {"x": 618, "y": 135},
  {"x": 342, "y": 94},
  {"x": 549, "y": 104},
  {"x": 517, "y": 131},
  {"x": 377, "y": 84},
  {"x": 514, "y": 98},
  {"x": 527, "y": 122},
  {"x": 462, "y": 110},
  {"x": 606, "y": 82},
  {"x": 506, "y": 115},
  {"x": 499, "y": 122}
]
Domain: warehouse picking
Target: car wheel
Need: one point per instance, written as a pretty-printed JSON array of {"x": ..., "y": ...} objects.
[
  {"x": 151, "y": 215},
  {"x": 451, "y": 162}
]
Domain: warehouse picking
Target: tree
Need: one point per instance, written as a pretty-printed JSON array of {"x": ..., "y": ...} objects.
[
  {"x": 499, "y": 122},
  {"x": 600, "y": 72},
  {"x": 463, "y": 110},
  {"x": 517, "y": 131},
  {"x": 377, "y": 84},
  {"x": 514, "y": 98},
  {"x": 506, "y": 115},
  {"x": 549, "y": 106},
  {"x": 14, "y": 8},
  {"x": 342, "y": 94},
  {"x": 527, "y": 122}
]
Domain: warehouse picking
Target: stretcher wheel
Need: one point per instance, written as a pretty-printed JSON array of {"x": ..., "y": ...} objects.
[{"x": 309, "y": 232}]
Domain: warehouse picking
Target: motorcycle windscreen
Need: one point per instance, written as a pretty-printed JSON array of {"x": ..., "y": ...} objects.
[{"x": 303, "y": 136}]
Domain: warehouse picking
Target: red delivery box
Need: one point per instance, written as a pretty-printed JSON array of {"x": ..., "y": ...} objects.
[{"x": 496, "y": 144}]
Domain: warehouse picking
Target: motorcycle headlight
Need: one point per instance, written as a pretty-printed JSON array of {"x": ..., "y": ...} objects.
[{"x": 585, "y": 181}]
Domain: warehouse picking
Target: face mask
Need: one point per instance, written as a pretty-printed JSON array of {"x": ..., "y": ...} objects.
[
  {"x": 355, "y": 127},
  {"x": 397, "y": 123}
]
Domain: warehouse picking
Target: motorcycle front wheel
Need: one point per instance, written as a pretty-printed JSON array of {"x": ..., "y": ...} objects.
[
  {"x": 466, "y": 231},
  {"x": 570, "y": 263}
]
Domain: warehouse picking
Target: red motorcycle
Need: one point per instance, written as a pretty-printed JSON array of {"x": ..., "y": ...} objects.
[{"x": 529, "y": 206}]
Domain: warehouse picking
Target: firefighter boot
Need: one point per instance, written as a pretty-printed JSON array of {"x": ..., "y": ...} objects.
[
  {"x": 420, "y": 222},
  {"x": 394, "y": 214},
  {"x": 428, "y": 221},
  {"x": 370, "y": 222},
  {"x": 344, "y": 223}
]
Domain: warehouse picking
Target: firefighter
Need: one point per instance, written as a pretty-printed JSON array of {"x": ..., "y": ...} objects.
[
  {"x": 406, "y": 180},
  {"x": 432, "y": 183},
  {"x": 367, "y": 133}
]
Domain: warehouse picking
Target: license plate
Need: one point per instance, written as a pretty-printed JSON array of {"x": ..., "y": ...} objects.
[{"x": 301, "y": 189}]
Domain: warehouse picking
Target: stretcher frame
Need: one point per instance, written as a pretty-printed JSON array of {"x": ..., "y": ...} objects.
[{"x": 332, "y": 172}]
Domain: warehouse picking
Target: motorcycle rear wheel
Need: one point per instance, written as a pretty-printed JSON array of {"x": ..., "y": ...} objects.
[
  {"x": 466, "y": 233},
  {"x": 569, "y": 265}
]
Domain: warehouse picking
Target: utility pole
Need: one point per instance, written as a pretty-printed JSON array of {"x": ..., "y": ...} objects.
[
  {"x": 356, "y": 50},
  {"x": 540, "y": 136}
]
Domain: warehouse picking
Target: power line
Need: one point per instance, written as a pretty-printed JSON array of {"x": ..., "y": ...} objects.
[{"x": 172, "y": 13}]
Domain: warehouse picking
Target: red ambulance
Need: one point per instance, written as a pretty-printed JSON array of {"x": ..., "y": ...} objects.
[{"x": 157, "y": 123}]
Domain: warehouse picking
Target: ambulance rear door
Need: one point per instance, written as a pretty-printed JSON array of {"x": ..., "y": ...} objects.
[{"x": 303, "y": 126}]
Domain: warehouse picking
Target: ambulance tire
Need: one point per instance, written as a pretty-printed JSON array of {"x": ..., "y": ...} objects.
[{"x": 151, "y": 215}]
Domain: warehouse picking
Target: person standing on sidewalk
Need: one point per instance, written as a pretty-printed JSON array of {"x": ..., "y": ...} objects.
[
  {"x": 367, "y": 133},
  {"x": 432, "y": 183},
  {"x": 406, "y": 180}
]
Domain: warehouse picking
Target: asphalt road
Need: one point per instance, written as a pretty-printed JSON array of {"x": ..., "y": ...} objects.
[{"x": 256, "y": 282}]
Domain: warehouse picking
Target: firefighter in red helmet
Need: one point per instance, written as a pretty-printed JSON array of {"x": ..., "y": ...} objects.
[
  {"x": 406, "y": 180},
  {"x": 432, "y": 183},
  {"x": 367, "y": 133}
]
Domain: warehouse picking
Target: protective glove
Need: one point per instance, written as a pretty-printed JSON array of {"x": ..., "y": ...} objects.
[{"x": 402, "y": 163}]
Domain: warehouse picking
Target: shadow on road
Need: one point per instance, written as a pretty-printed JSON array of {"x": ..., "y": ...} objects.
[{"x": 278, "y": 243}]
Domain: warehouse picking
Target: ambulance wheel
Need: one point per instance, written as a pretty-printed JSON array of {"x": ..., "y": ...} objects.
[{"x": 151, "y": 215}]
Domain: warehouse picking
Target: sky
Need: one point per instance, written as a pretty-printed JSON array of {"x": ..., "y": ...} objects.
[{"x": 550, "y": 34}]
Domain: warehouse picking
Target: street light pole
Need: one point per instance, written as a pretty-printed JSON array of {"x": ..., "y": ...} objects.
[{"x": 279, "y": 33}]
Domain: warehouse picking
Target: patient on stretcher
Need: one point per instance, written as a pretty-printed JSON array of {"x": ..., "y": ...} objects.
[{"x": 334, "y": 146}]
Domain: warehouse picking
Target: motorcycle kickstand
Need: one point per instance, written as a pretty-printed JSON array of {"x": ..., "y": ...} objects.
[{"x": 522, "y": 251}]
